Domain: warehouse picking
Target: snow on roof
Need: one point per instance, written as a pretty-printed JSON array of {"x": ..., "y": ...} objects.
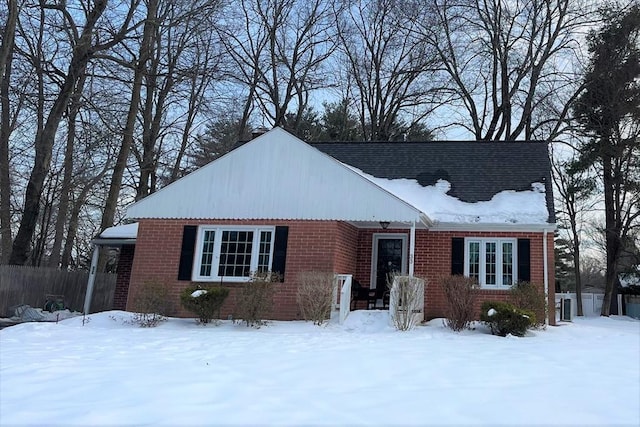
[
  {"x": 127, "y": 231},
  {"x": 506, "y": 207}
]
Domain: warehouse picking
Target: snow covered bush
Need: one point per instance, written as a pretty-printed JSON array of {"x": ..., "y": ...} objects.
[
  {"x": 314, "y": 295},
  {"x": 150, "y": 304},
  {"x": 255, "y": 298},
  {"x": 504, "y": 318},
  {"x": 204, "y": 301},
  {"x": 530, "y": 296},
  {"x": 459, "y": 296}
]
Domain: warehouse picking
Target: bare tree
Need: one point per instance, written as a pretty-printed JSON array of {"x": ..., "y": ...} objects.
[
  {"x": 391, "y": 69},
  {"x": 176, "y": 60},
  {"x": 84, "y": 43},
  {"x": 506, "y": 62},
  {"x": 279, "y": 48},
  {"x": 6, "y": 57},
  {"x": 139, "y": 70}
]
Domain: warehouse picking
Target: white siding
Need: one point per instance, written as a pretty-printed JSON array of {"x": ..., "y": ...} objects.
[{"x": 275, "y": 176}]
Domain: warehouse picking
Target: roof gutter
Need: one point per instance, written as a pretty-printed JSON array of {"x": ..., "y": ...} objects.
[{"x": 453, "y": 226}]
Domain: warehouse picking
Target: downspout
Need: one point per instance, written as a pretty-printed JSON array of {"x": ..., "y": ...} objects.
[
  {"x": 546, "y": 277},
  {"x": 92, "y": 279},
  {"x": 412, "y": 248}
]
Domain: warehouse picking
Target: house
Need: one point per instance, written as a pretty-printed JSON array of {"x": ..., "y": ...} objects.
[{"x": 276, "y": 203}]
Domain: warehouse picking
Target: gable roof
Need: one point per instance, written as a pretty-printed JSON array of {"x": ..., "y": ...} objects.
[
  {"x": 476, "y": 171},
  {"x": 278, "y": 176},
  {"x": 275, "y": 176}
]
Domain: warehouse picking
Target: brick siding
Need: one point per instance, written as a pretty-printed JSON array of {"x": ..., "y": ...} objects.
[
  {"x": 125, "y": 262},
  {"x": 319, "y": 246}
]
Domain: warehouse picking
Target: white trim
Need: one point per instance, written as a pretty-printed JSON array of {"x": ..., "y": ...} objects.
[
  {"x": 92, "y": 279},
  {"x": 482, "y": 260},
  {"x": 451, "y": 226},
  {"x": 374, "y": 254},
  {"x": 412, "y": 249},
  {"x": 545, "y": 270},
  {"x": 219, "y": 229}
]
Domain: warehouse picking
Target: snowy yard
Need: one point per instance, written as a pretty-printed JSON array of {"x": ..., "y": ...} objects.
[{"x": 109, "y": 372}]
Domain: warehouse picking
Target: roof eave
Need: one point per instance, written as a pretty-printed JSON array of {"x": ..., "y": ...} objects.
[{"x": 456, "y": 226}]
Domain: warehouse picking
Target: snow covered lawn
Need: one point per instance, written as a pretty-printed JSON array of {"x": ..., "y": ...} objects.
[{"x": 109, "y": 372}]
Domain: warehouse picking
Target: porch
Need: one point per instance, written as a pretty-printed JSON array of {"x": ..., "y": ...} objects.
[{"x": 403, "y": 298}]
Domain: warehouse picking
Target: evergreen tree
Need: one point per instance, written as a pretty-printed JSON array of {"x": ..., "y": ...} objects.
[{"x": 609, "y": 113}]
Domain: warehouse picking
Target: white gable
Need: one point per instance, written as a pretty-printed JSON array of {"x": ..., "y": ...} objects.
[{"x": 275, "y": 176}]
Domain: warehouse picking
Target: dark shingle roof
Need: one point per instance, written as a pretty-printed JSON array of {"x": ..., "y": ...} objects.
[{"x": 476, "y": 170}]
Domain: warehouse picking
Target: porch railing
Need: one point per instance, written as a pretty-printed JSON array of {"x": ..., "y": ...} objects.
[{"x": 341, "y": 302}]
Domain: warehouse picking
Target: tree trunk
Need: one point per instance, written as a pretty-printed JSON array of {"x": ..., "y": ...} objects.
[
  {"x": 44, "y": 141},
  {"x": 612, "y": 234},
  {"x": 6, "y": 58},
  {"x": 576, "y": 260},
  {"x": 63, "y": 206}
]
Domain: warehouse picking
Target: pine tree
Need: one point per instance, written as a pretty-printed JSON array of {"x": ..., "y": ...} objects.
[{"x": 609, "y": 113}]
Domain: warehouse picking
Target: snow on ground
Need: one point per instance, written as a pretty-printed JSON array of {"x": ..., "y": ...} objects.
[{"x": 110, "y": 372}]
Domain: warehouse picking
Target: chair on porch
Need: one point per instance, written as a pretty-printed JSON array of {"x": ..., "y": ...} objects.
[{"x": 362, "y": 293}]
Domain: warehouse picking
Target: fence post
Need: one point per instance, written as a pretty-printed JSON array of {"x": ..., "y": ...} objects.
[{"x": 92, "y": 279}]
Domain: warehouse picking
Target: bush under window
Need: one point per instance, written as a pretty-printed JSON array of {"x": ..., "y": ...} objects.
[
  {"x": 204, "y": 301},
  {"x": 504, "y": 318}
]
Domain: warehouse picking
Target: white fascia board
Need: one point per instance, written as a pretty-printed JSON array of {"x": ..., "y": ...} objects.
[{"x": 452, "y": 226}]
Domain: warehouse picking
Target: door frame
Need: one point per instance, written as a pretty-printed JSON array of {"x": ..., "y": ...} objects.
[{"x": 374, "y": 254}]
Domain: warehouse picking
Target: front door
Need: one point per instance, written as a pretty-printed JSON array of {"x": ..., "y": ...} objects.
[{"x": 389, "y": 256}]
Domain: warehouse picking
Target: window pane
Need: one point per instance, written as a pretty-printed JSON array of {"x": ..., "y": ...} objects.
[
  {"x": 507, "y": 263},
  {"x": 235, "y": 254},
  {"x": 206, "y": 261},
  {"x": 490, "y": 261},
  {"x": 265, "y": 250},
  {"x": 474, "y": 260}
]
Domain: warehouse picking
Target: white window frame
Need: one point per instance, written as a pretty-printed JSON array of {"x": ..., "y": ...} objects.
[
  {"x": 499, "y": 262},
  {"x": 219, "y": 229}
]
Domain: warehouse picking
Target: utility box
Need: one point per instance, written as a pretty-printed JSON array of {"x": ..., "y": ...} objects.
[{"x": 566, "y": 309}]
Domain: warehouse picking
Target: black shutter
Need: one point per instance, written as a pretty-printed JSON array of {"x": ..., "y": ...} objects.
[
  {"x": 186, "y": 253},
  {"x": 524, "y": 260},
  {"x": 457, "y": 255},
  {"x": 280, "y": 251}
]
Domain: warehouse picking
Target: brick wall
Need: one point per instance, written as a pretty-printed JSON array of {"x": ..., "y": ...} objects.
[
  {"x": 433, "y": 261},
  {"x": 311, "y": 246},
  {"x": 318, "y": 246},
  {"x": 125, "y": 262}
]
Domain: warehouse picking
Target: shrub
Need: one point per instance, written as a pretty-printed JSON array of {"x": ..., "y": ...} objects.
[
  {"x": 503, "y": 318},
  {"x": 150, "y": 304},
  {"x": 405, "y": 301},
  {"x": 529, "y": 296},
  {"x": 459, "y": 296},
  {"x": 204, "y": 301},
  {"x": 314, "y": 295},
  {"x": 255, "y": 299}
]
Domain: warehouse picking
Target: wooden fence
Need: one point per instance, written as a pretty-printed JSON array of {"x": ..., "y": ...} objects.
[{"x": 31, "y": 285}]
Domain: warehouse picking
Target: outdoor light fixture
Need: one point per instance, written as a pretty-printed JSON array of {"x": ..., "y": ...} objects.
[{"x": 384, "y": 224}]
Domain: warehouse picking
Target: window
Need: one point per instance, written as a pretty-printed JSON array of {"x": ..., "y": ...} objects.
[
  {"x": 232, "y": 252},
  {"x": 491, "y": 261}
]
